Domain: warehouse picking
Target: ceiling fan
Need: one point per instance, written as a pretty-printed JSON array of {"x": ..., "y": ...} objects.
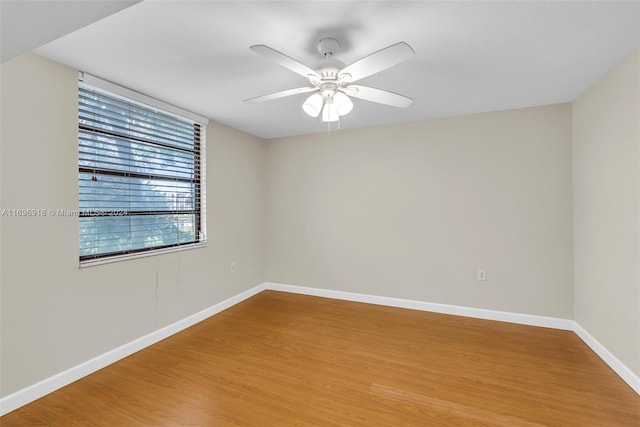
[{"x": 332, "y": 84}]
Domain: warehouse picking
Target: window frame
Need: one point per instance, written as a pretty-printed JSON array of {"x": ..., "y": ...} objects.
[{"x": 199, "y": 167}]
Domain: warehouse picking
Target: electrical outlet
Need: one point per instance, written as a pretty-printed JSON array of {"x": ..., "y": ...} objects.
[
  {"x": 233, "y": 267},
  {"x": 481, "y": 274}
]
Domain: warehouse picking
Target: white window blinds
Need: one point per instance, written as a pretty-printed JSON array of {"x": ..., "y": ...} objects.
[{"x": 139, "y": 179}]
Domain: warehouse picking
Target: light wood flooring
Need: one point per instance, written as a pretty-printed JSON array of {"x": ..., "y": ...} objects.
[{"x": 281, "y": 359}]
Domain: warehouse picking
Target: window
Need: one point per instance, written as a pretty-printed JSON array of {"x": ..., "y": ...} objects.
[{"x": 139, "y": 177}]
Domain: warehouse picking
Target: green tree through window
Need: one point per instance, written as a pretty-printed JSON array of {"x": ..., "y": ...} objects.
[{"x": 139, "y": 177}]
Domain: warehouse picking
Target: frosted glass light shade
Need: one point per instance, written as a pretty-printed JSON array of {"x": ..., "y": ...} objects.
[
  {"x": 313, "y": 105},
  {"x": 328, "y": 106},
  {"x": 343, "y": 104},
  {"x": 329, "y": 112}
]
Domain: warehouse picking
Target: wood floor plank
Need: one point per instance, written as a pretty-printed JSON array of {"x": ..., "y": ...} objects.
[{"x": 281, "y": 359}]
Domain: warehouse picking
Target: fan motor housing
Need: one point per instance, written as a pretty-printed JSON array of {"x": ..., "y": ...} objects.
[{"x": 329, "y": 73}]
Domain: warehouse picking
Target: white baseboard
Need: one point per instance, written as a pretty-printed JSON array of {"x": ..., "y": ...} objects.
[
  {"x": 478, "y": 313},
  {"x": 503, "y": 316},
  {"x": 57, "y": 381},
  {"x": 48, "y": 385},
  {"x": 614, "y": 363}
]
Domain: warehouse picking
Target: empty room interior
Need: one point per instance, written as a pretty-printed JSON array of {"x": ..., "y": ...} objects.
[{"x": 320, "y": 213}]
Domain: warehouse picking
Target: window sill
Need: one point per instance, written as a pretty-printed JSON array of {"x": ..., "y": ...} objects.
[{"x": 119, "y": 258}]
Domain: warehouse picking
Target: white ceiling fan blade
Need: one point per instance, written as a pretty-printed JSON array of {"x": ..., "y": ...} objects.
[
  {"x": 377, "y": 95},
  {"x": 377, "y": 61},
  {"x": 281, "y": 94},
  {"x": 284, "y": 60}
]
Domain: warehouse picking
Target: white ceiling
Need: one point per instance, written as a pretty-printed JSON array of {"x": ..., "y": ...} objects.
[
  {"x": 470, "y": 56},
  {"x": 27, "y": 24}
]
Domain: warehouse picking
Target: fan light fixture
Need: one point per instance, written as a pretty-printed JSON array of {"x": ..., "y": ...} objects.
[
  {"x": 332, "y": 85},
  {"x": 328, "y": 106}
]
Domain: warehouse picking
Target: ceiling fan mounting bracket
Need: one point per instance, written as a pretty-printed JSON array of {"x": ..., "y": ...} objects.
[{"x": 328, "y": 47}]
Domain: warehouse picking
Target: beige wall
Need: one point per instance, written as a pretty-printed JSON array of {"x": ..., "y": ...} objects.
[
  {"x": 606, "y": 180},
  {"x": 412, "y": 210},
  {"x": 55, "y": 315}
]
